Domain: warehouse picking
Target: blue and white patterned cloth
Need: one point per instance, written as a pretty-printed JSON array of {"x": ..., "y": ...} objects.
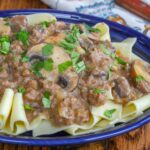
[{"x": 103, "y": 8}]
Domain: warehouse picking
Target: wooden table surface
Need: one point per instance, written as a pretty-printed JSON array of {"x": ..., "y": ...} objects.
[{"x": 138, "y": 139}]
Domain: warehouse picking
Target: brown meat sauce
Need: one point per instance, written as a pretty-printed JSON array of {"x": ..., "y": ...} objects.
[{"x": 71, "y": 93}]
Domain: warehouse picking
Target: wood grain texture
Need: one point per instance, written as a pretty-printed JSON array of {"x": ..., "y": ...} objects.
[{"x": 136, "y": 140}]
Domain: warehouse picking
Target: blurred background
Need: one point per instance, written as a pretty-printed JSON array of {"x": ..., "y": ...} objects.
[{"x": 133, "y": 13}]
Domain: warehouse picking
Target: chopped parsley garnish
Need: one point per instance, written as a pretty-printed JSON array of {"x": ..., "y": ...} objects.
[
  {"x": 91, "y": 29},
  {"x": 48, "y": 64},
  {"x": 99, "y": 91},
  {"x": 28, "y": 107},
  {"x": 106, "y": 51},
  {"x": 21, "y": 90},
  {"x": 4, "y": 45},
  {"x": 71, "y": 38},
  {"x": 66, "y": 45},
  {"x": 120, "y": 61},
  {"x": 139, "y": 78},
  {"x": 23, "y": 36},
  {"x": 45, "y": 24},
  {"x": 37, "y": 73},
  {"x": 68, "y": 42},
  {"x": 25, "y": 59},
  {"x": 47, "y": 49},
  {"x": 46, "y": 99},
  {"x": 36, "y": 67},
  {"x": 75, "y": 57},
  {"x": 75, "y": 31},
  {"x": 80, "y": 66},
  {"x": 64, "y": 66},
  {"x": 109, "y": 113}
]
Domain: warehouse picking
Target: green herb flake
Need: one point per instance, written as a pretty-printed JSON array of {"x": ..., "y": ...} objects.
[
  {"x": 37, "y": 73},
  {"x": 46, "y": 99},
  {"x": 75, "y": 57},
  {"x": 23, "y": 36},
  {"x": 25, "y": 59},
  {"x": 21, "y": 90},
  {"x": 70, "y": 38},
  {"x": 64, "y": 66},
  {"x": 45, "y": 24},
  {"x": 109, "y": 113},
  {"x": 66, "y": 45},
  {"x": 36, "y": 67},
  {"x": 5, "y": 48},
  {"x": 75, "y": 31},
  {"x": 28, "y": 107},
  {"x": 47, "y": 94},
  {"x": 120, "y": 61},
  {"x": 80, "y": 66},
  {"x": 91, "y": 29},
  {"x": 4, "y": 45},
  {"x": 47, "y": 49},
  {"x": 106, "y": 52},
  {"x": 99, "y": 91},
  {"x": 48, "y": 64},
  {"x": 139, "y": 78}
]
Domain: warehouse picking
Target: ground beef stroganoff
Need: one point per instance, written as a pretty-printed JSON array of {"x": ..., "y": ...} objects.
[{"x": 63, "y": 70}]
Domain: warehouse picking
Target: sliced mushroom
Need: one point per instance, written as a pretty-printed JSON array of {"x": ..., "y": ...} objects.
[
  {"x": 36, "y": 50},
  {"x": 4, "y": 29},
  {"x": 59, "y": 56},
  {"x": 139, "y": 68},
  {"x": 69, "y": 80},
  {"x": 122, "y": 87}
]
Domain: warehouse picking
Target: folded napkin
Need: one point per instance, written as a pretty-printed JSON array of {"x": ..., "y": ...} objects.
[{"x": 102, "y": 8}]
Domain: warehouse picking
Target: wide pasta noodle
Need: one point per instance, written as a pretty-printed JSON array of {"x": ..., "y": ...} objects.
[
  {"x": 136, "y": 107},
  {"x": 40, "y": 17},
  {"x": 109, "y": 105},
  {"x": 5, "y": 106},
  {"x": 45, "y": 127},
  {"x": 18, "y": 119},
  {"x": 104, "y": 31},
  {"x": 37, "y": 121},
  {"x": 124, "y": 48},
  {"x": 78, "y": 129},
  {"x": 98, "y": 120}
]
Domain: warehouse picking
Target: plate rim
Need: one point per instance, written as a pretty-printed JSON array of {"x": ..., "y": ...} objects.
[{"x": 72, "y": 140}]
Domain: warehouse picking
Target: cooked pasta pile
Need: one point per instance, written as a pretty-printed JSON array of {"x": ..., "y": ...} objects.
[{"x": 67, "y": 77}]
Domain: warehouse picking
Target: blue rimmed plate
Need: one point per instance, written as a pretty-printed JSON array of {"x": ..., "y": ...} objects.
[{"x": 118, "y": 33}]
